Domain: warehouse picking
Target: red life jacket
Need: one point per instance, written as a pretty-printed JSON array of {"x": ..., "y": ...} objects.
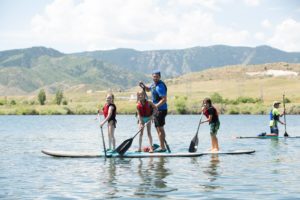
[
  {"x": 215, "y": 116},
  {"x": 105, "y": 111},
  {"x": 144, "y": 110}
]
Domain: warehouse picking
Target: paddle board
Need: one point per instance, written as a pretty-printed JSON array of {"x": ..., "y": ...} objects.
[
  {"x": 266, "y": 137},
  {"x": 231, "y": 152},
  {"x": 72, "y": 154}
]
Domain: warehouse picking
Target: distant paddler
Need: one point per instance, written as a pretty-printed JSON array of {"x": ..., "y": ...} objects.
[{"x": 274, "y": 120}]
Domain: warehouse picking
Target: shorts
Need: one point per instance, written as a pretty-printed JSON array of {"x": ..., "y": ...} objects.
[
  {"x": 274, "y": 130},
  {"x": 145, "y": 119},
  {"x": 159, "y": 118},
  {"x": 214, "y": 127},
  {"x": 114, "y": 122}
]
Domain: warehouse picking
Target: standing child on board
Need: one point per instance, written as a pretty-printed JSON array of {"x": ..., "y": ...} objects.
[
  {"x": 145, "y": 110},
  {"x": 213, "y": 119},
  {"x": 109, "y": 112}
]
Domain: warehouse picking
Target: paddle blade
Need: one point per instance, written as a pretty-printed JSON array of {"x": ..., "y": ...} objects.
[
  {"x": 286, "y": 134},
  {"x": 194, "y": 144},
  {"x": 122, "y": 148}
]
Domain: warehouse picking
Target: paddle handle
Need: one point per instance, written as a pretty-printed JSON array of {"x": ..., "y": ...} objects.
[{"x": 142, "y": 85}]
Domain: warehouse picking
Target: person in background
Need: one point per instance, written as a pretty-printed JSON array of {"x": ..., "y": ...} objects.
[
  {"x": 159, "y": 97},
  {"x": 274, "y": 119},
  {"x": 211, "y": 114},
  {"x": 109, "y": 111},
  {"x": 145, "y": 110}
]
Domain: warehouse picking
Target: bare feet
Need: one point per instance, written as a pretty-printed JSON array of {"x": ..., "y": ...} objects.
[
  {"x": 151, "y": 150},
  {"x": 214, "y": 150}
]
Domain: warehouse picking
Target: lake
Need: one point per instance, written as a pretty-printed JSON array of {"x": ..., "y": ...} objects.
[{"x": 272, "y": 172}]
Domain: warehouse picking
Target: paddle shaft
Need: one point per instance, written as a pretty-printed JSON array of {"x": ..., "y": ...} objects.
[
  {"x": 103, "y": 142},
  {"x": 141, "y": 129},
  {"x": 283, "y": 97},
  {"x": 199, "y": 124},
  {"x": 168, "y": 148}
]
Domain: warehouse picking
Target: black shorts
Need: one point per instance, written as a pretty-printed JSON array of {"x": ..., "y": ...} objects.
[{"x": 159, "y": 118}]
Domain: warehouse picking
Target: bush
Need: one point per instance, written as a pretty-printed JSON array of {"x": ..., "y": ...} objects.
[
  {"x": 216, "y": 98},
  {"x": 286, "y": 100},
  {"x": 59, "y": 97},
  {"x": 180, "y": 104},
  {"x": 247, "y": 100},
  {"x": 42, "y": 97},
  {"x": 65, "y": 102}
]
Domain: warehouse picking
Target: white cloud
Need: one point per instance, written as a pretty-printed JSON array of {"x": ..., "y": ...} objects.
[
  {"x": 252, "y": 2},
  {"x": 286, "y": 35},
  {"x": 259, "y": 36},
  {"x": 266, "y": 24},
  {"x": 147, "y": 24}
]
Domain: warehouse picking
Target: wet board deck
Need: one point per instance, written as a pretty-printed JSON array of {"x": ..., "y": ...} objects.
[
  {"x": 267, "y": 137},
  {"x": 231, "y": 152},
  {"x": 73, "y": 154}
]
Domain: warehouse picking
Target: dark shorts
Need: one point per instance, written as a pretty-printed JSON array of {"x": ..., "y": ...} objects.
[
  {"x": 274, "y": 130},
  {"x": 159, "y": 118},
  {"x": 214, "y": 127}
]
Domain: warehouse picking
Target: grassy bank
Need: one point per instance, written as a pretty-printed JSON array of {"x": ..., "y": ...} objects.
[
  {"x": 232, "y": 89},
  {"x": 176, "y": 106}
]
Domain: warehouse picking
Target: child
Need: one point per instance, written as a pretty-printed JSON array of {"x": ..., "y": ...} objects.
[
  {"x": 144, "y": 112},
  {"x": 109, "y": 112},
  {"x": 213, "y": 119},
  {"x": 274, "y": 119}
]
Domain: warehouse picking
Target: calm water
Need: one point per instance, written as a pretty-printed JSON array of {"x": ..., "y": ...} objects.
[{"x": 273, "y": 172}]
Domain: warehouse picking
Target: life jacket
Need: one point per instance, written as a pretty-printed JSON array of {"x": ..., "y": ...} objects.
[
  {"x": 205, "y": 112},
  {"x": 145, "y": 110},
  {"x": 105, "y": 111},
  {"x": 155, "y": 96},
  {"x": 273, "y": 117}
]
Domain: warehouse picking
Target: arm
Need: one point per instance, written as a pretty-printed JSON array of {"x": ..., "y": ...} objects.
[
  {"x": 139, "y": 117},
  {"x": 110, "y": 111},
  {"x": 154, "y": 108},
  {"x": 208, "y": 119},
  {"x": 161, "y": 102}
]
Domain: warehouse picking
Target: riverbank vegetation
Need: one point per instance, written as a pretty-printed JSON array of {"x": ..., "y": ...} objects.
[{"x": 233, "y": 90}]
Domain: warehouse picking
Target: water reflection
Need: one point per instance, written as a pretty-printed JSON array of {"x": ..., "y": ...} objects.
[
  {"x": 212, "y": 173},
  {"x": 153, "y": 174}
]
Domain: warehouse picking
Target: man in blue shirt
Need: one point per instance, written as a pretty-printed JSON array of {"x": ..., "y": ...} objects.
[{"x": 159, "y": 97}]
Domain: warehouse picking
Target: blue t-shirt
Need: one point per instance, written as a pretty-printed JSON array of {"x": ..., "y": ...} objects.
[{"x": 158, "y": 91}]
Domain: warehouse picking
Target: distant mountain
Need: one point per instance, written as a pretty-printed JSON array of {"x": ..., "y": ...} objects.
[
  {"x": 27, "y": 70},
  {"x": 23, "y": 71},
  {"x": 177, "y": 62}
]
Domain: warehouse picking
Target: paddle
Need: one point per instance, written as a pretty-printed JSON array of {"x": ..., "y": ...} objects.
[
  {"x": 194, "y": 143},
  {"x": 142, "y": 85},
  {"x": 168, "y": 148},
  {"x": 122, "y": 148},
  {"x": 285, "y": 133},
  {"x": 103, "y": 142}
]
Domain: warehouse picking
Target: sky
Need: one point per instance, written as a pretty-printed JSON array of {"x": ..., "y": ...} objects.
[{"x": 86, "y": 25}]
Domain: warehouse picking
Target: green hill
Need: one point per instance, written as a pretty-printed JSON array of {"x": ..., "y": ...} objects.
[
  {"x": 177, "y": 62},
  {"x": 25, "y": 71}
]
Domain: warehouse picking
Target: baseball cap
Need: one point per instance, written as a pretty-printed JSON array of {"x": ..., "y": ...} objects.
[
  {"x": 156, "y": 71},
  {"x": 276, "y": 102}
]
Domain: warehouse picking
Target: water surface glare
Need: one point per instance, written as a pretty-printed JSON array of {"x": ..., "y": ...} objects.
[{"x": 272, "y": 172}]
